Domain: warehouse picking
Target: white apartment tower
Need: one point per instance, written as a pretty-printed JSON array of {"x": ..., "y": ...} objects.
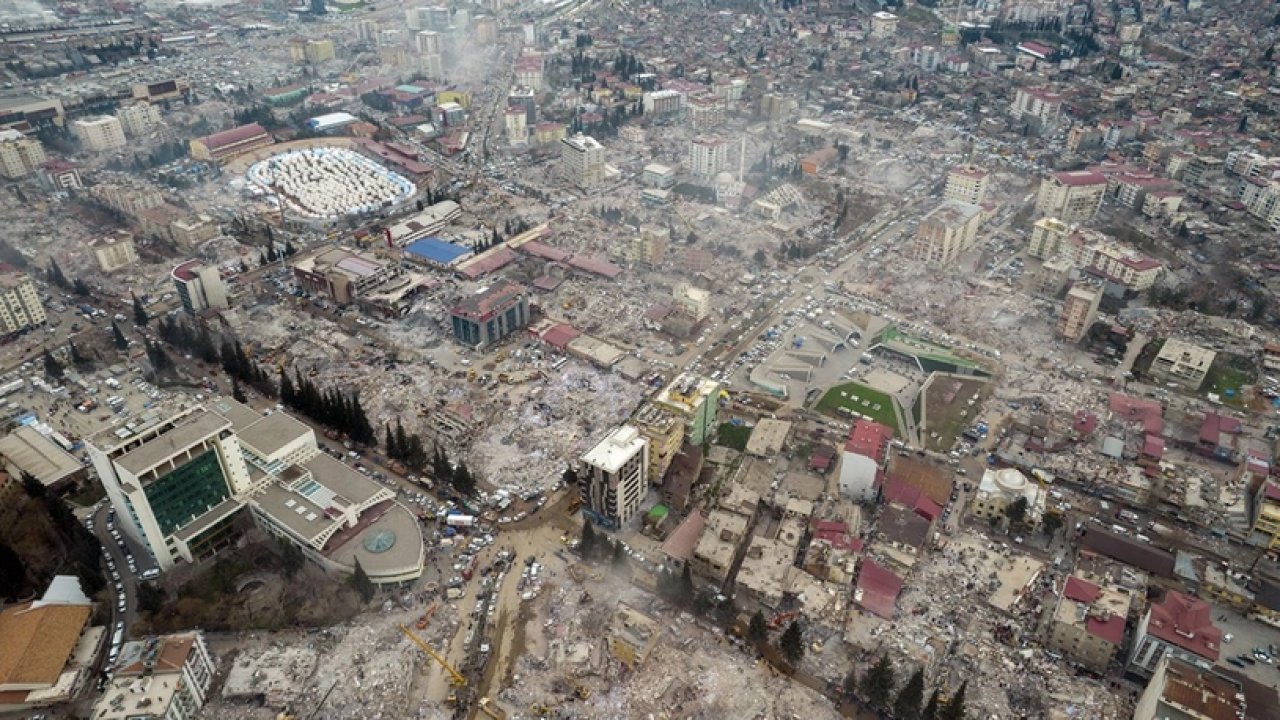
[
  {"x": 582, "y": 161},
  {"x": 100, "y": 133},
  {"x": 967, "y": 184},
  {"x": 614, "y": 477},
  {"x": 1079, "y": 310},
  {"x": 19, "y": 155},
  {"x": 199, "y": 287},
  {"x": 20, "y": 306},
  {"x": 707, "y": 156},
  {"x": 138, "y": 119}
]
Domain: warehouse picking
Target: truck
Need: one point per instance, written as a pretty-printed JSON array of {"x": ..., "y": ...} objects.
[
  {"x": 453, "y": 593},
  {"x": 460, "y": 520}
]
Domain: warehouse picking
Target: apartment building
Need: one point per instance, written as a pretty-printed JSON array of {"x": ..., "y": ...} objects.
[
  {"x": 1110, "y": 261},
  {"x": 1048, "y": 237},
  {"x": 516, "y": 121},
  {"x": 947, "y": 232},
  {"x": 966, "y": 184},
  {"x": 1088, "y": 621},
  {"x": 1071, "y": 197},
  {"x": 100, "y": 133},
  {"x": 696, "y": 401},
  {"x": 614, "y": 477},
  {"x": 864, "y": 460},
  {"x": 1179, "y": 625},
  {"x": 1183, "y": 362},
  {"x": 114, "y": 251},
  {"x": 1183, "y": 690},
  {"x": 582, "y": 161},
  {"x": 664, "y": 431},
  {"x": 883, "y": 24},
  {"x": 529, "y": 68},
  {"x": 194, "y": 229},
  {"x": 138, "y": 119},
  {"x": 491, "y": 315},
  {"x": 20, "y": 306},
  {"x": 1266, "y": 516},
  {"x": 663, "y": 102},
  {"x": 128, "y": 199},
  {"x": 311, "y": 52},
  {"x": 19, "y": 155},
  {"x": 706, "y": 157},
  {"x": 159, "y": 677},
  {"x": 1036, "y": 104},
  {"x": 1079, "y": 310},
  {"x": 199, "y": 287},
  {"x": 427, "y": 42},
  {"x": 706, "y": 113}
]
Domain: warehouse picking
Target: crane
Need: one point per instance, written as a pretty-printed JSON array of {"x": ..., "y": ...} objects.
[{"x": 455, "y": 677}]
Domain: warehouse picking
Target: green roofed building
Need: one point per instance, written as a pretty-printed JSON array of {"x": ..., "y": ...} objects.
[{"x": 925, "y": 354}]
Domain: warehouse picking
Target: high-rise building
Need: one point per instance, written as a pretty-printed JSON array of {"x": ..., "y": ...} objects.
[
  {"x": 1079, "y": 310},
  {"x": 491, "y": 315},
  {"x": 159, "y": 677},
  {"x": 582, "y": 161},
  {"x": 1073, "y": 196},
  {"x": 529, "y": 68},
  {"x": 967, "y": 184},
  {"x": 367, "y": 31},
  {"x": 524, "y": 98},
  {"x": 1037, "y": 105},
  {"x": 1048, "y": 237},
  {"x": 20, "y": 306},
  {"x": 614, "y": 477},
  {"x": 947, "y": 231},
  {"x": 138, "y": 119},
  {"x": 19, "y": 155},
  {"x": 114, "y": 251},
  {"x": 883, "y": 24},
  {"x": 100, "y": 133},
  {"x": 696, "y": 401},
  {"x": 517, "y": 124},
  {"x": 707, "y": 156},
  {"x": 427, "y": 42},
  {"x": 199, "y": 286},
  {"x": 1178, "y": 624},
  {"x": 438, "y": 18},
  {"x": 864, "y": 460}
]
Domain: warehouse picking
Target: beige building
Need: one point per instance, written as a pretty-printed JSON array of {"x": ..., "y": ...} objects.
[
  {"x": 199, "y": 287},
  {"x": 947, "y": 231},
  {"x": 632, "y": 636},
  {"x": 193, "y": 229},
  {"x": 883, "y": 24},
  {"x": 966, "y": 184},
  {"x": 1079, "y": 310},
  {"x": 1088, "y": 622},
  {"x": 1048, "y": 236},
  {"x": 19, "y": 155},
  {"x": 1184, "y": 690},
  {"x": 138, "y": 119},
  {"x": 1116, "y": 262},
  {"x": 1037, "y": 104},
  {"x": 664, "y": 433},
  {"x": 114, "y": 251},
  {"x": 100, "y": 133},
  {"x": 582, "y": 161},
  {"x": 1071, "y": 197},
  {"x": 310, "y": 51},
  {"x": 19, "y": 303},
  {"x": 1183, "y": 362},
  {"x": 1001, "y": 488},
  {"x": 517, "y": 125},
  {"x": 706, "y": 156}
]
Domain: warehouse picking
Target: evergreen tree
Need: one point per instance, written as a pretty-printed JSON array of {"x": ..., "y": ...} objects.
[
  {"x": 52, "y": 367},
  {"x": 122, "y": 343},
  {"x": 876, "y": 685},
  {"x": 463, "y": 481},
  {"x": 589, "y": 540},
  {"x": 402, "y": 442},
  {"x": 56, "y": 276},
  {"x": 930, "y": 711},
  {"x": 150, "y": 598},
  {"x": 78, "y": 358},
  {"x": 80, "y": 288},
  {"x": 792, "y": 642},
  {"x": 32, "y": 486},
  {"x": 907, "y": 705},
  {"x": 685, "y": 591},
  {"x": 237, "y": 393},
  {"x": 393, "y": 451},
  {"x": 13, "y": 573},
  {"x": 140, "y": 316},
  {"x": 757, "y": 631},
  {"x": 361, "y": 582},
  {"x": 955, "y": 707}
]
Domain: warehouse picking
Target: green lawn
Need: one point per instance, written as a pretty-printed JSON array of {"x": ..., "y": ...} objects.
[
  {"x": 860, "y": 399},
  {"x": 733, "y": 436},
  {"x": 1222, "y": 377}
]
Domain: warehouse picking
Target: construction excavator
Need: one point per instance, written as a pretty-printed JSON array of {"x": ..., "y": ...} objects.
[
  {"x": 455, "y": 678},
  {"x": 426, "y": 617}
]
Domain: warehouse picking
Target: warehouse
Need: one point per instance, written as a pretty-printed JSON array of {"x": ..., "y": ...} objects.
[
  {"x": 27, "y": 451},
  {"x": 436, "y": 253}
]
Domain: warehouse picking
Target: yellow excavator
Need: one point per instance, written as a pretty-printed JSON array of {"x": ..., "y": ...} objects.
[{"x": 455, "y": 678}]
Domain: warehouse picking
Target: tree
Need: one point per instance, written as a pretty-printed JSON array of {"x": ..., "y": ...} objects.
[
  {"x": 931, "y": 708},
  {"x": 52, "y": 367},
  {"x": 907, "y": 705},
  {"x": 684, "y": 589},
  {"x": 13, "y": 572},
  {"x": 237, "y": 392},
  {"x": 463, "y": 481},
  {"x": 955, "y": 708},
  {"x": 150, "y": 598},
  {"x": 361, "y": 582},
  {"x": 757, "y": 631},
  {"x": 877, "y": 684},
  {"x": 291, "y": 558},
  {"x": 1052, "y": 523},
  {"x": 140, "y": 316},
  {"x": 121, "y": 341},
  {"x": 1016, "y": 511},
  {"x": 80, "y": 288},
  {"x": 619, "y": 559},
  {"x": 32, "y": 486},
  {"x": 78, "y": 358},
  {"x": 792, "y": 642},
  {"x": 56, "y": 276}
]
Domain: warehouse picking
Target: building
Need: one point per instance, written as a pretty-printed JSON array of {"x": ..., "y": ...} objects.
[
  {"x": 1079, "y": 310},
  {"x": 659, "y": 176},
  {"x": 427, "y": 42},
  {"x": 706, "y": 113},
  {"x": 664, "y": 431},
  {"x": 1182, "y": 362},
  {"x": 228, "y": 144},
  {"x": 114, "y": 251},
  {"x": 946, "y": 232},
  {"x": 100, "y": 133},
  {"x": 1037, "y": 105},
  {"x": 966, "y": 184},
  {"x": 1178, "y": 625},
  {"x": 863, "y": 461},
  {"x": 713, "y": 554},
  {"x": 524, "y": 99},
  {"x": 1088, "y": 622},
  {"x": 311, "y": 52},
  {"x": 582, "y": 161},
  {"x": 342, "y": 274},
  {"x": 883, "y": 24},
  {"x": 199, "y": 287},
  {"x": 1113, "y": 262},
  {"x": 27, "y": 113},
  {"x": 632, "y": 636},
  {"x": 137, "y": 120},
  {"x": 1071, "y": 197},
  {"x": 696, "y": 401},
  {"x": 20, "y": 306},
  {"x": 430, "y": 221},
  {"x": 614, "y": 477},
  {"x": 19, "y": 155},
  {"x": 662, "y": 102},
  {"x": 1001, "y": 488},
  {"x": 194, "y": 229},
  {"x": 46, "y": 655},
  {"x": 1266, "y": 516},
  {"x": 165, "y": 677},
  {"x": 491, "y": 315},
  {"x": 706, "y": 157},
  {"x": 1048, "y": 238},
  {"x": 1183, "y": 690},
  {"x": 529, "y": 70},
  {"x": 517, "y": 125},
  {"x": 46, "y": 458}
]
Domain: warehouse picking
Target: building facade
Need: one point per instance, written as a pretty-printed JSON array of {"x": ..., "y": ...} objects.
[
  {"x": 1088, "y": 622},
  {"x": 863, "y": 461},
  {"x": 947, "y": 232},
  {"x": 707, "y": 156},
  {"x": 99, "y": 134},
  {"x": 138, "y": 119},
  {"x": 967, "y": 184},
  {"x": 1037, "y": 105},
  {"x": 1001, "y": 488},
  {"x": 1183, "y": 362},
  {"x": 228, "y": 144},
  {"x": 1048, "y": 237},
  {"x": 1071, "y": 197},
  {"x": 582, "y": 161},
  {"x": 1177, "y": 625},
  {"x": 696, "y": 401},
  {"x": 614, "y": 477},
  {"x": 20, "y": 306},
  {"x": 491, "y": 315},
  {"x": 114, "y": 251},
  {"x": 19, "y": 155},
  {"x": 164, "y": 677},
  {"x": 1079, "y": 310},
  {"x": 1184, "y": 690},
  {"x": 199, "y": 287}
]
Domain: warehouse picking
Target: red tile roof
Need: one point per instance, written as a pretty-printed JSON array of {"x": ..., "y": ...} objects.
[
  {"x": 1109, "y": 628},
  {"x": 869, "y": 439},
  {"x": 1078, "y": 178},
  {"x": 877, "y": 589},
  {"x": 560, "y": 335},
  {"x": 1186, "y": 622},
  {"x": 1131, "y": 409},
  {"x": 232, "y": 136},
  {"x": 1081, "y": 590},
  {"x": 899, "y": 491},
  {"x": 1153, "y": 446}
]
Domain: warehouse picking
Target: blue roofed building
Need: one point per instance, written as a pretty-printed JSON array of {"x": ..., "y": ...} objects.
[{"x": 436, "y": 253}]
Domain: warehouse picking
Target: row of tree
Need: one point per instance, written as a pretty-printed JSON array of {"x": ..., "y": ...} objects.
[
  {"x": 332, "y": 407},
  {"x": 57, "y": 277},
  {"x": 79, "y": 549},
  {"x": 876, "y": 688}
]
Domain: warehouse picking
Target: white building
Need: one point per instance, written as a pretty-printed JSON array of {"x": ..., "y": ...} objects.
[
  {"x": 657, "y": 175},
  {"x": 582, "y": 161},
  {"x": 706, "y": 157},
  {"x": 99, "y": 134},
  {"x": 967, "y": 184},
  {"x": 863, "y": 462},
  {"x": 1001, "y": 488},
  {"x": 199, "y": 287},
  {"x": 883, "y": 24},
  {"x": 614, "y": 476},
  {"x": 20, "y": 306},
  {"x": 1072, "y": 196},
  {"x": 517, "y": 124},
  {"x": 1038, "y": 104},
  {"x": 114, "y": 251},
  {"x": 164, "y": 677},
  {"x": 947, "y": 231},
  {"x": 19, "y": 155},
  {"x": 663, "y": 102},
  {"x": 138, "y": 119},
  {"x": 427, "y": 42}
]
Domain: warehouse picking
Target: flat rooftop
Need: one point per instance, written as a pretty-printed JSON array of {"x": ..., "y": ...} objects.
[
  {"x": 31, "y": 452},
  {"x": 388, "y": 543},
  {"x": 615, "y": 449},
  {"x": 192, "y": 430},
  {"x": 271, "y": 434}
]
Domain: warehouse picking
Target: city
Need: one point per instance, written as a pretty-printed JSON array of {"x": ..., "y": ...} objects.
[{"x": 486, "y": 359}]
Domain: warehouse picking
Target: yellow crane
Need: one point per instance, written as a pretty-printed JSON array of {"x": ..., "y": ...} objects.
[{"x": 455, "y": 677}]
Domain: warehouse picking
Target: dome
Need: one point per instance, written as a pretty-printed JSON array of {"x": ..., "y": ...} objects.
[
  {"x": 1011, "y": 481},
  {"x": 380, "y": 542},
  {"x": 724, "y": 177}
]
